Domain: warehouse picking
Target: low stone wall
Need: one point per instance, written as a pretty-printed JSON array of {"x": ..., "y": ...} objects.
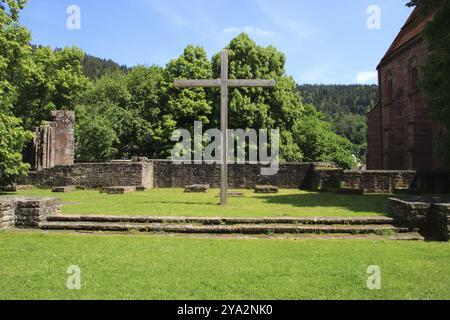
[
  {"x": 379, "y": 181},
  {"x": 26, "y": 212},
  {"x": 430, "y": 216},
  {"x": 94, "y": 175},
  {"x": 7, "y": 213},
  {"x": 166, "y": 174}
]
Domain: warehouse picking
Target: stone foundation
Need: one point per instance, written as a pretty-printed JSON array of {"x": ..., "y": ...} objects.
[
  {"x": 27, "y": 212},
  {"x": 147, "y": 174},
  {"x": 430, "y": 216}
]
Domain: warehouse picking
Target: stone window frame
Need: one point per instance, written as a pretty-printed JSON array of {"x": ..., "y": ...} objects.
[
  {"x": 389, "y": 85},
  {"x": 413, "y": 72}
]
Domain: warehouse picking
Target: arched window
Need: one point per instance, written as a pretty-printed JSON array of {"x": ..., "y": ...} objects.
[
  {"x": 390, "y": 85},
  {"x": 414, "y": 73}
]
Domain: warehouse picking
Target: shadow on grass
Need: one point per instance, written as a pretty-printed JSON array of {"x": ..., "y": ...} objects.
[
  {"x": 178, "y": 202},
  {"x": 376, "y": 203}
]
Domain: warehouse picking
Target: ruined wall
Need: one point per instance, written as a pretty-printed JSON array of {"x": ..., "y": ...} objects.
[
  {"x": 290, "y": 175},
  {"x": 54, "y": 142},
  {"x": 166, "y": 174},
  {"x": 94, "y": 175},
  {"x": 379, "y": 181}
]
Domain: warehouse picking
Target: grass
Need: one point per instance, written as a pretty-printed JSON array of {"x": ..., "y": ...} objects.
[
  {"x": 33, "y": 266},
  {"x": 173, "y": 202}
]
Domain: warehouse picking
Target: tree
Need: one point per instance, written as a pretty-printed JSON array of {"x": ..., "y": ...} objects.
[
  {"x": 95, "y": 136},
  {"x": 12, "y": 140},
  {"x": 14, "y": 52},
  {"x": 14, "y": 60},
  {"x": 436, "y": 72},
  {"x": 53, "y": 80}
]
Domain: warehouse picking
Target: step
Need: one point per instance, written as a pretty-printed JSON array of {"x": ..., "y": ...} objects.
[
  {"x": 223, "y": 221},
  {"x": 221, "y": 229}
]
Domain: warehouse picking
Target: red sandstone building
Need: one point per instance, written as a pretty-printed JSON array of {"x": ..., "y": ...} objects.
[{"x": 401, "y": 133}]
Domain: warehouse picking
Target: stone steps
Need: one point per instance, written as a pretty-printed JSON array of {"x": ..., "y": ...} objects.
[
  {"x": 250, "y": 229},
  {"x": 224, "y": 221}
]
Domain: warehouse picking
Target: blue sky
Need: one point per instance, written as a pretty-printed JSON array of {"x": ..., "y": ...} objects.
[{"x": 325, "y": 41}]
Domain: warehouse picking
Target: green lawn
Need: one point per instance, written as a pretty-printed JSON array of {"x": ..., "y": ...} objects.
[
  {"x": 173, "y": 202},
  {"x": 33, "y": 266}
]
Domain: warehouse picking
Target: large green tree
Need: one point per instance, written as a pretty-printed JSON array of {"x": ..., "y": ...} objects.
[
  {"x": 14, "y": 60},
  {"x": 281, "y": 108},
  {"x": 436, "y": 72},
  {"x": 53, "y": 80}
]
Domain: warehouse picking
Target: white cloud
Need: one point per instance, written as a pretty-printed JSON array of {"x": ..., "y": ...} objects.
[
  {"x": 249, "y": 30},
  {"x": 367, "y": 77}
]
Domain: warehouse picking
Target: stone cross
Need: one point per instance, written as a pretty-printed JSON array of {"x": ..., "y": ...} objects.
[{"x": 224, "y": 83}]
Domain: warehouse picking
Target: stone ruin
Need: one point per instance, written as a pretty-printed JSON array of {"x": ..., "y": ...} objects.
[{"x": 54, "y": 142}]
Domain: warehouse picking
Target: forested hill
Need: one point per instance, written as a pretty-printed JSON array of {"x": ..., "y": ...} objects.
[
  {"x": 95, "y": 68},
  {"x": 332, "y": 99},
  {"x": 345, "y": 107}
]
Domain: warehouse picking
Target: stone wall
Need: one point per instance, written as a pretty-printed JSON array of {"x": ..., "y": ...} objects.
[
  {"x": 290, "y": 175},
  {"x": 166, "y": 174},
  {"x": 430, "y": 216},
  {"x": 94, "y": 175},
  {"x": 26, "y": 212},
  {"x": 7, "y": 210},
  {"x": 379, "y": 181}
]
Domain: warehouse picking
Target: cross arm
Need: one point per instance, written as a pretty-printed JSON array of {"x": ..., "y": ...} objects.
[
  {"x": 251, "y": 83},
  {"x": 197, "y": 83}
]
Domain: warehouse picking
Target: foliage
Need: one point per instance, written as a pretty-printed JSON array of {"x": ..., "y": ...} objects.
[
  {"x": 319, "y": 143},
  {"x": 125, "y": 113},
  {"x": 94, "y": 68},
  {"x": 12, "y": 140},
  {"x": 54, "y": 80},
  {"x": 14, "y": 62},
  {"x": 436, "y": 74},
  {"x": 332, "y": 99},
  {"x": 346, "y": 108}
]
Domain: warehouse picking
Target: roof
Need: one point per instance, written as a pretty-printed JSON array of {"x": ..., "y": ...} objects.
[{"x": 412, "y": 29}]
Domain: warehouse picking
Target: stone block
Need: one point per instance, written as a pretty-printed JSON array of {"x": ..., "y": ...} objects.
[
  {"x": 350, "y": 191},
  {"x": 118, "y": 190},
  {"x": 65, "y": 189},
  {"x": 16, "y": 188},
  {"x": 266, "y": 189},
  {"x": 197, "y": 188}
]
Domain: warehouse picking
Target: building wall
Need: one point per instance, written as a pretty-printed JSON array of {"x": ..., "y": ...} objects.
[{"x": 406, "y": 138}]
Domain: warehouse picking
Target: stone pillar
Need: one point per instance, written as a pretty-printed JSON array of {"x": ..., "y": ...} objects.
[{"x": 54, "y": 143}]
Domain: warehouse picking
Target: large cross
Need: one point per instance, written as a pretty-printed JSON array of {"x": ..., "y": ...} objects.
[{"x": 223, "y": 83}]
